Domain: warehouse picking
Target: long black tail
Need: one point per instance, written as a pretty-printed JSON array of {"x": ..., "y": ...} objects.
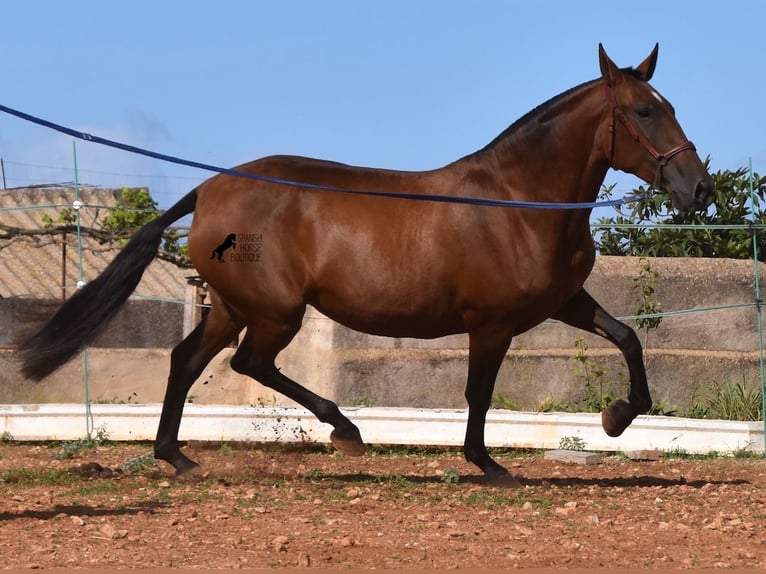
[{"x": 81, "y": 318}]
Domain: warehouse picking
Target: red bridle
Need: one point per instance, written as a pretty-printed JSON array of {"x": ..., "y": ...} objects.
[{"x": 661, "y": 158}]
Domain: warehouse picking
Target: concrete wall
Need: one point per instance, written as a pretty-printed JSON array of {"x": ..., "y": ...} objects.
[
  {"x": 140, "y": 323},
  {"x": 685, "y": 353}
]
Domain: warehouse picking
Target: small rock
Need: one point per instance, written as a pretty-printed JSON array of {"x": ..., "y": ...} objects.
[
  {"x": 303, "y": 560},
  {"x": 352, "y": 493},
  {"x": 164, "y": 484},
  {"x": 77, "y": 521},
  {"x": 644, "y": 454},
  {"x": 523, "y": 530},
  {"x": 573, "y": 456},
  {"x": 279, "y": 544}
]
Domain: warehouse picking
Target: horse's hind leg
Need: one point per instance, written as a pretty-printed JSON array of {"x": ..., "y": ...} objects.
[
  {"x": 187, "y": 361},
  {"x": 255, "y": 358},
  {"x": 583, "y": 312}
]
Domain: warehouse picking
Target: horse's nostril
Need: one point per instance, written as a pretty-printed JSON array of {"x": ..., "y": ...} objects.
[{"x": 704, "y": 189}]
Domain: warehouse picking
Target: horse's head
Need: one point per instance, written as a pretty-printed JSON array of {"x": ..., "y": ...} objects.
[{"x": 645, "y": 139}]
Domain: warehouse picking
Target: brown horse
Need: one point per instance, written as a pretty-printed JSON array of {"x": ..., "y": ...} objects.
[{"x": 403, "y": 268}]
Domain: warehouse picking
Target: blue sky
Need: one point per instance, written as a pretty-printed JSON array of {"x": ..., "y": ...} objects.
[{"x": 396, "y": 84}]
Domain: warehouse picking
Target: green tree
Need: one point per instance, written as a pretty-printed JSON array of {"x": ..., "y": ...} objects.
[
  {"x": 732, "y": 204},
  {"x": 136, "y": 209}
]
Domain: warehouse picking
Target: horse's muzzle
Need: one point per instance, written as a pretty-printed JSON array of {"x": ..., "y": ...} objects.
[{"x": 703, "y": 191}]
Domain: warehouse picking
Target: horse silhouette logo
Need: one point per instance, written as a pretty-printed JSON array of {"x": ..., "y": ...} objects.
[{"x": 229, "y": 243}]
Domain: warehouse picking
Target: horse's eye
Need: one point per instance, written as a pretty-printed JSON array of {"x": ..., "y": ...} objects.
[{"x": 645, "y": 112}]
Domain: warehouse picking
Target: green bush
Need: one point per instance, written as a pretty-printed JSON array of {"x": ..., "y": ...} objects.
[{"x": 728, "y": 400}]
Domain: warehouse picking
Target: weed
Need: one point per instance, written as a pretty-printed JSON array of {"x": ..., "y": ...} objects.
[
  {"x": 649, "y": 309},
  {"x": 313, "y": 474},
  {"x": 27, "y": 477},
  {"x": 744, "y": 452},
  {"x": 132, "y": 399},
  {"x": 92, "y": 489},
  {"x": 504, "y": 402},
  {"x": 451, "y": 476},
  {"x": 684, "y": 454},
  {"x": 593, "y": 374},
  {"x": 728, "y": 400},
  {"x": 663, "y": 408},
  {"x": 225, "y": 449},
  {"x": 365, "y": 401},
  {"x": 572, "y": 443},
  {"x": 138, "y": 464},
  {"x": 6, "y": 437},
  {"x": 552, "y": 405},
  {"x": 71, "y": 447}
]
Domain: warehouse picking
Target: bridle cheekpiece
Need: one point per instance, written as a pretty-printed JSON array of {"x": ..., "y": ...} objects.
[{"x": 661, "y": 158}]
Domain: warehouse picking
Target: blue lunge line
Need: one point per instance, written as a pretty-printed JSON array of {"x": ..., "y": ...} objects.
[{"x": 266, "y": 179}]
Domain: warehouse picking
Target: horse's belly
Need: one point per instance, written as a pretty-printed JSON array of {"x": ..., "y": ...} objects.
[{"x": 392, "y": 316}]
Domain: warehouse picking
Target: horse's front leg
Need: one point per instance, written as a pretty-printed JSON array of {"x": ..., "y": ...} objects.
[
  {"x": 487, "y": 349},
  {"x": 583, "y": 312}
]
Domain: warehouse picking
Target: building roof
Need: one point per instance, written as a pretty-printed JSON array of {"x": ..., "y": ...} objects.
[{"x": 48, "y": 266}]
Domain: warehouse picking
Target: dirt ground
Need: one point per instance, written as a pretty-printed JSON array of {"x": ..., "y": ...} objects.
[{"x": 257, "y": 506}]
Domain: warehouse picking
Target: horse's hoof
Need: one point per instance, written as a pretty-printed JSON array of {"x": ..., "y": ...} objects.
[
  {"x": 350, "y": 446},
  {"x": 180, "y": 462},
  {"x": 617, "y": 417}
]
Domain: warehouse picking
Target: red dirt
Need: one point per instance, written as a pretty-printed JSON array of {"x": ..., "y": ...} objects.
[{"x": 265, "y": 506}]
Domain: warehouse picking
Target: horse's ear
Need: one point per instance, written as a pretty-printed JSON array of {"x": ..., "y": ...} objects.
[
  {"x": 646, "y": 68},
  {"x": 609, "y": 70}
]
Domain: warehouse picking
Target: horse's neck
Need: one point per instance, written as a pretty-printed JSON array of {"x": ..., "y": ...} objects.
[{"x": 557, "y": 155}]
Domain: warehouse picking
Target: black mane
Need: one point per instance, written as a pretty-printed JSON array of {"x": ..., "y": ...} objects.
[{"x": 530, "y": 115}]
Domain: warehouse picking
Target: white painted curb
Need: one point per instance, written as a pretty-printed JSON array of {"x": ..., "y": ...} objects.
[{"x": 401, "y": 426}]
